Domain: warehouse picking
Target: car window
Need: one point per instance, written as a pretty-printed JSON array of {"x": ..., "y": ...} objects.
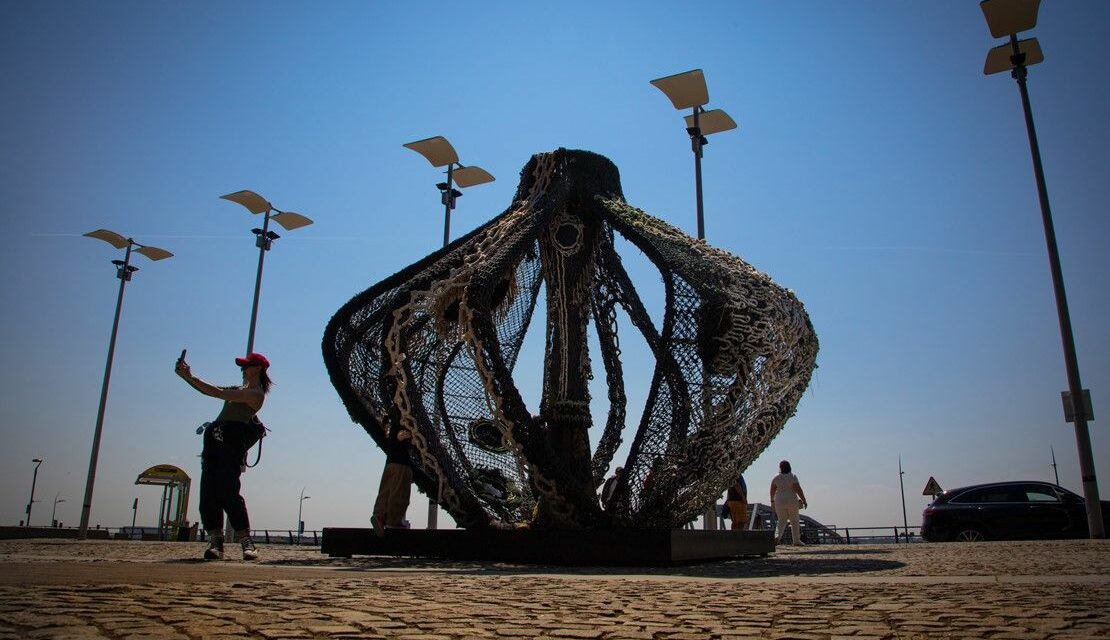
[
  {"x": 988, "y": 494},
  {"x": 1040, "y": 494}
]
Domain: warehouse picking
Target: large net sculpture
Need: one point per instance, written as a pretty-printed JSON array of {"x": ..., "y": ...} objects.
[{"x": 432, "y": 349}]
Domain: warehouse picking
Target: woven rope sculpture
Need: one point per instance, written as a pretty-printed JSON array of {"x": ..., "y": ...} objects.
[{"x": 432, "y": 349}]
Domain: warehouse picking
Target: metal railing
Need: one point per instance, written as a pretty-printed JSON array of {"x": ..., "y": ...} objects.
[
  {"x": 814, "y": 532},
  {"x": 890, "y": 534},
  {"x": 279, "y": 536}
]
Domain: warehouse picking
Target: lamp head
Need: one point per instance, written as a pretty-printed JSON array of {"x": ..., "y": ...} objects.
[
  {"x": 684, "y": 90},
  {"x": 111, "y": 237},
  {"x": 436, "y": 150},
  {"x": 154, "y": 253},
  {"x": 289, "y": 220},
  {"x": 1009, "y": 17},
  {"x": 712, "y": 121},
  {"x": 249, "y": 199},
  {"x": 1001, "y": 58},
  {"x": 471, "y": 176}
]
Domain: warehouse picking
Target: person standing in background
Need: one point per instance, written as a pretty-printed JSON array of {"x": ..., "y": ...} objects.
[
  {"x": 786, "y": 497},
  {"x": 395, "y": 488},
  {"x": 609, "y": 489},
  {"x": 737, "y": 502}
]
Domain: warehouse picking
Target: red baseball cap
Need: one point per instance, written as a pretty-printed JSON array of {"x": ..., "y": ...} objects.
[{"x": 253, "y": 359}]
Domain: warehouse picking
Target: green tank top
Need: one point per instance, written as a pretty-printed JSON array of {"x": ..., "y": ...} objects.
[{"x": 235, "y": 412}]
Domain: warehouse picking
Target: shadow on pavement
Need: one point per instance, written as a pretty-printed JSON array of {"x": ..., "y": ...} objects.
[{"x": 800, "y": 564}]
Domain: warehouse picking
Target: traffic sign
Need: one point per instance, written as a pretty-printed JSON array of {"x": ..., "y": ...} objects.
[{"x": 932, "y": 487}]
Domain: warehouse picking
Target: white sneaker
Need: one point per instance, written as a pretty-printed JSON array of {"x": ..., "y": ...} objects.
[{"x": 250, "y": 552}]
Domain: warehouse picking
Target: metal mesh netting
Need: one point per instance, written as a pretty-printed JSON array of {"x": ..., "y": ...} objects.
[{"x": 432, "y": 349}]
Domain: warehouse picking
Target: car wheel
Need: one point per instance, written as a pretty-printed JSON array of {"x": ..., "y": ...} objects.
[{"x": 969, "y": 534}]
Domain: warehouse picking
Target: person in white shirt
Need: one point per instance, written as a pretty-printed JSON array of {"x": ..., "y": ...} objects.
[{"x": 786, "y": 497}]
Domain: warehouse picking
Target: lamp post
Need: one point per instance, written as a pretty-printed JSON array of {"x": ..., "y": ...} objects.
[
  {"x": 300, "y": 524},
  {"x": 1007, "y": 18},
  {"x": 687, "y": 90},
  {"x": 439, "y": 153},
  {"x": 54, "y": 513},
  {"x": 124, "y": 271},
  {"x": 264, "y": 240},
  {"x": 902, "y": 487},
  {"x": 34, "y": 479}
]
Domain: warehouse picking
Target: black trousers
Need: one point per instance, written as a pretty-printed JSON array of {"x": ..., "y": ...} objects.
[{"x": 219, "y": 490}]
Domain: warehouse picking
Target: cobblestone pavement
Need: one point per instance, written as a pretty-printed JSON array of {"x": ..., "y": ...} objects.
[{"x": 1004, "y": 590}]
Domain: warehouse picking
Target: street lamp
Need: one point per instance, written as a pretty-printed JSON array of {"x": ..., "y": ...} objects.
[
  {"x": 1007, "y": 18},
  {"x": 687, "y": 90},
  {"x": 54, "y": 513},
  {"x": 34, "y": 479},
  {"x": 265, "y": 238},
  {"x": 902, "y": 488},
  {"x": 300, "y": 524},
  {"x": 124, "y": 271},
  {"x": 439, "y": 152}
]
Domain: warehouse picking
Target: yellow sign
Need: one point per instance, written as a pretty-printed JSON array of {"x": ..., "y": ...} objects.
[{"x": 932, "y": 487}]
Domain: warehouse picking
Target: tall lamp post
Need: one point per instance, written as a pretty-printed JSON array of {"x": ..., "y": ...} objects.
[
  {"x": 439, "y": 153},
  {"x": 54, "y": 513},
  {"x": 1007, "y": 18},
  {"x": 687, "y": 90},
  {"x": 902, "y": 488},
  {"x": 124, "y": 271},
  {"x": 300, "y": 523},
  {"x": 264, "y": 239},
  {"x": 34, "y": 479}
]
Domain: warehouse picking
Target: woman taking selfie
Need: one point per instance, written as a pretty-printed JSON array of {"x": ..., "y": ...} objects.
[{"x": 223, "y": 456}]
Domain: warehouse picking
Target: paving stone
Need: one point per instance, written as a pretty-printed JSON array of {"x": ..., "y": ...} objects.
[
  {"x": 1063, "y": 593},
  {"x": 515, "y": 632}
]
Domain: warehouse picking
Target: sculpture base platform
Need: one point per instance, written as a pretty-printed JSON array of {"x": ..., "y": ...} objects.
[{"x": 601, "y": 547}]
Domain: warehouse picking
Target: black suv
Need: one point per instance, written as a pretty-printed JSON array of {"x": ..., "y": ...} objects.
[{"x": 1007, "y": 511}]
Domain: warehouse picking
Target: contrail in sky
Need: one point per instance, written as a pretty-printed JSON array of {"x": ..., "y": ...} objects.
[
  {"x": 207, "y": 237},
  {"x": 980, "y": 252}
]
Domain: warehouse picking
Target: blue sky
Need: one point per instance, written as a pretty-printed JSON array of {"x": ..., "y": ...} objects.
[{"x": 876, "y": 172}]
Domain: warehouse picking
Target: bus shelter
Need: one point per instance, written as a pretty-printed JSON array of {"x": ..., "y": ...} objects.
[{"x": 175, "y": 483}]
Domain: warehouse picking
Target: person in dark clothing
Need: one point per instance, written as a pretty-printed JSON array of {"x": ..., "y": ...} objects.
[
  {"x": 609, "y": 489},
  {"x": 223, "y": 455},
  {"x": 395, "y": 487},
  {"x": 737, "y": 501}
]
